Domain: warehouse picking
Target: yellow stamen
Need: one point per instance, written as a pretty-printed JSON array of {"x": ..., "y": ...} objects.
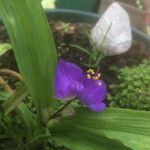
[
  {"x": 95, "y": 78},
  {"x": 99, "y": 83},
  {"x": 98, "y": 75},
  {"x": 89, "y": 71},
  {"x": 88, "y": 76},
  {"x": 92, "y": 75},
  {"x": 92, "y": 72}
]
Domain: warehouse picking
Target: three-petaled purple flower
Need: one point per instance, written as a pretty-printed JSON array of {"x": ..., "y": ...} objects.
[{"x": 70, "y": 81}]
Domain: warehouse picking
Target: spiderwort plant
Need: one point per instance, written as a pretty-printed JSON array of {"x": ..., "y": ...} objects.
[
  {"x": 36, "y": 56},
  {"x": 70, "y": 82}
]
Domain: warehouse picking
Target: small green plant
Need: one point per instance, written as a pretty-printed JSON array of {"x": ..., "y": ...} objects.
[
  {"x": 133, "y": 91},
  {"x": 139, "y": 4},
  {"x": 4, "y": 47},
  {"x": 65, "y": 28},
  {"x": 94, "y": 55}
]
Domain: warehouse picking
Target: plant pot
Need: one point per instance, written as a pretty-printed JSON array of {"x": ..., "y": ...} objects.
[
  {"x": 74, "y": 16},
  {"x": 91, "y": 18},
  {"x": 84, "y": 5}
]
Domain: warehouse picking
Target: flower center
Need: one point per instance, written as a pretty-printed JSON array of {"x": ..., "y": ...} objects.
[{"x": 90, "y": 74}]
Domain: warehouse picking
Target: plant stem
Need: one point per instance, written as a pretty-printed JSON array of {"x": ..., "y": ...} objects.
[
  {"x": 101, "y": 55},
  {"x": 105, "y": 36},
  {"x": 98, "y": 68},
  {"x": 61, "y": 109}
]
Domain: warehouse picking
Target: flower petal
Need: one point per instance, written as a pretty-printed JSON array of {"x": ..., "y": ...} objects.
[
  {"x": 93, "y": 94},
  {"x": 65, "y": 74},
  {"x": 97, "y": 107}
]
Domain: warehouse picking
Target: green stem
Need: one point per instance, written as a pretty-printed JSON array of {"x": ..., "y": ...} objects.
[
  {"x": 106, "y": 35},
  {"x": 101, "y": 55},
  {"x": 61, "y": 109}
]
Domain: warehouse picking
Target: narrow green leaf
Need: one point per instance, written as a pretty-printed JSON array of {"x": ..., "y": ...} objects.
[
  {"x": 129, "y": 126},
  {"x": 22, "y": 111},
  {"x": 81, "y": 49},
  {"x": 15, "y": 99},
  {"x": 27, "y": 117},
  {"x": 39, "y": 137},
  {"x": 4, "y": 47},
  {"x": 105, "y": 35},
  {"x": 33, "y": 46}
]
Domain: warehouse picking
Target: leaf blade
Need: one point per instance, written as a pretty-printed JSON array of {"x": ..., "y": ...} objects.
[
  {"x": 80, "y": 48},
  {"x": 27, "y": 117},
  {"x": 128, "y": 126},
  {"x": 33, "y": 46},
  {"x": 15, "y": 99},
  {"x": 4, "y": 47},
  {"x": 77, "y": 138}
]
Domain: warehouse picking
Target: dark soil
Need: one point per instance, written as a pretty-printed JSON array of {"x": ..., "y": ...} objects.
[
  {"x": 76, "y": 35},
  {"x": 66, "y": 34}
]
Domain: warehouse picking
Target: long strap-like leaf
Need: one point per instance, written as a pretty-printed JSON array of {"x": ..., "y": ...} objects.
[
  {"x": 33, "y": 46},
  {"x": 15, "y": 99},
  {"x": 131, "y": 127}
]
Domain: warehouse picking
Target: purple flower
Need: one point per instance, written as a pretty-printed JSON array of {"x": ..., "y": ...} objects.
[{"x": 70, "y": 82}]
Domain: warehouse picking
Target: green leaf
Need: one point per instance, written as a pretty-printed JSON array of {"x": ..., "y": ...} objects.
[
  {"x": 39, "y": 137},
  {"x": 33, "y": 46},
  {"x": 4, "y": 95},
  {"x": 75, "y": 137},
  {"x": 4, "y": 47},
  {"x": 81, "y": 49},
  {"x": 128, "y": 126},
  {"x": 21, "y": 109},
  {"x": 27, "y": 117},
  {"x": 78, "y": 139},
  {"x": 15, "y": 99}
]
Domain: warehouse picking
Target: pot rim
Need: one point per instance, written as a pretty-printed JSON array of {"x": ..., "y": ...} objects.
[{"x": 88, "y": 17}]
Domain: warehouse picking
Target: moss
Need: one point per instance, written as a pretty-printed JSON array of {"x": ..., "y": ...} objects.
[{"x": 133, "y": 90}]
